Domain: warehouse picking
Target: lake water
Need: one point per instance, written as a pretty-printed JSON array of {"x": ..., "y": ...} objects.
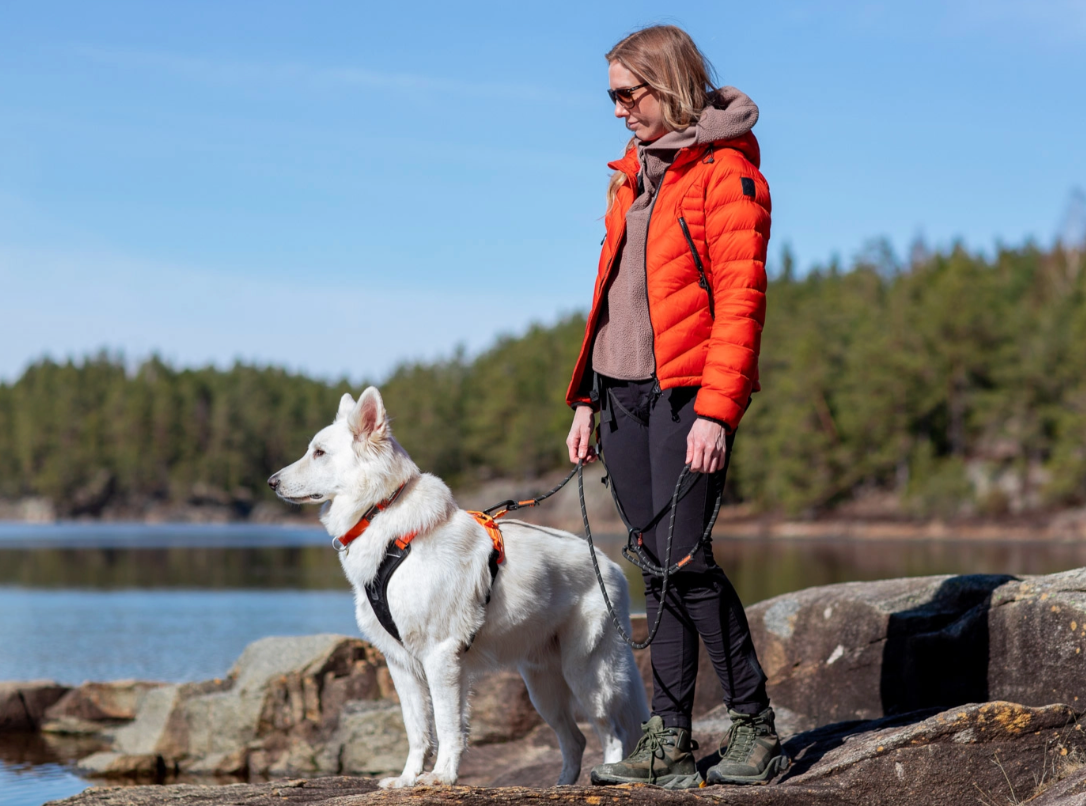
[{"x": 179, "y": 603}]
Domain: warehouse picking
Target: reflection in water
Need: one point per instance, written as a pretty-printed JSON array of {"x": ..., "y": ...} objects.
[
  {"x": 206, "y": 568},
  {"x": 35, "y": 768},
  {"x": 107, "y": 534},
  {"x": 759, "y": 569}
]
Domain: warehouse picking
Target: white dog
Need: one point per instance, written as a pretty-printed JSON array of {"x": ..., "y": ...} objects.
[{"x": 545, "y": 614}]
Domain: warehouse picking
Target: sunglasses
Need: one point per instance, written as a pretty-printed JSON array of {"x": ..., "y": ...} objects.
[{"x": 624, "y": 95}]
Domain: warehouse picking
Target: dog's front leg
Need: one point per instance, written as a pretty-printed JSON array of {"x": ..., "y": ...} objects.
[
  {"x": 415, "y": 706},
  {"x": 443, "y": 672}
]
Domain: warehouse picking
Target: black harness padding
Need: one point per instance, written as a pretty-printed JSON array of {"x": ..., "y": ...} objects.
[
  {"x": 492, "y": 564},
  {"x": 377, "y": 588}
]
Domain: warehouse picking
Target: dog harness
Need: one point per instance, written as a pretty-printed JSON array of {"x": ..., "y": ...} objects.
[{"x": 398, "y": 549}]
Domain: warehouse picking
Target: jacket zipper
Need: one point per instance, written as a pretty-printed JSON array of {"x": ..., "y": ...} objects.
[
  {"x": 702, "y": 280},
  {"x": 648, "y": 306}
]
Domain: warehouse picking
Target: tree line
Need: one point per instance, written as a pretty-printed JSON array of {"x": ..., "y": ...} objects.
[{"x": 957, "y": 382}]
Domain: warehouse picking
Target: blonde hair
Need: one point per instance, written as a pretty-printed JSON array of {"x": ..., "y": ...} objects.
[{"x": 665, "y": 58}]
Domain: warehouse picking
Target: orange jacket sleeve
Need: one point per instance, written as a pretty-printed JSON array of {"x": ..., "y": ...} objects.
[{"x": 737, "y": 219}]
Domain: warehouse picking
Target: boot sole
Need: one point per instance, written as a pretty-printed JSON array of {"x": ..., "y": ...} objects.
[
  {"x": 611, "y": 780},
  {"x": 776, "y": 765}
]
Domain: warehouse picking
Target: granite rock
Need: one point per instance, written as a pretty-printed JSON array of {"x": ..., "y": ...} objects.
[
  {"x": 23, "y": 705},
  {"x": 868, "y": 649},
  {"x": 988, "y": 753},
  {"x": 101, "y": 702}
]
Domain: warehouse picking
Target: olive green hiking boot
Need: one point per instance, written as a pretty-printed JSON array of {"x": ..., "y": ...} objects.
[
  {"x": 662, "y": 755},
  {"x": 750, "y": 753}
]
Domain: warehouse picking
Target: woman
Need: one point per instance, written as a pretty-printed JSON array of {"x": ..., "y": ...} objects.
[{"x": 670, "y": 360}]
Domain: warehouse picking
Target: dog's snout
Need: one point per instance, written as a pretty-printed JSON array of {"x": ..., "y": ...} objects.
[{"x": 273, "y": 482}]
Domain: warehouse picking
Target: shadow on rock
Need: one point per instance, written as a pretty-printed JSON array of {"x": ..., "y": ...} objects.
[
  {"x": 808, "y": 748},
  {"x": 865, "y": 650},
  {"x": 936, "y": 654}
]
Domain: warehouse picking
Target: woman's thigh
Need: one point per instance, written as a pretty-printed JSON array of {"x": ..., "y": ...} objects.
[
  {"x": 624, "y": 435},
  {"x": 670, "y": 421}
]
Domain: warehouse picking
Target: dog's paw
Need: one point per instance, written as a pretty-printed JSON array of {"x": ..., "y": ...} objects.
[
  {"x": 436, "y": 779},
  {"x": 396, "y": 783}
]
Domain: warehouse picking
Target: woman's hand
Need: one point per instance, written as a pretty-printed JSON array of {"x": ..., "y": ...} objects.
[
  {"x": 706, "y": 446},
  {"x": 580, "y": 433}
]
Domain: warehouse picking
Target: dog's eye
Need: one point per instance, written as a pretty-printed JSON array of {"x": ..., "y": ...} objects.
[{"x": 317, "y": 453}]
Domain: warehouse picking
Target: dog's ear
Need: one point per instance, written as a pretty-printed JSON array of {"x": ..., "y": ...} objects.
[
  {"x": 346, "y": 403},
  {"x": 367, "y": 419}
]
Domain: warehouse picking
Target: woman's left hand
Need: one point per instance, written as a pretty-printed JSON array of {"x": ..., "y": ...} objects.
[{"x": 706, "y": 446}]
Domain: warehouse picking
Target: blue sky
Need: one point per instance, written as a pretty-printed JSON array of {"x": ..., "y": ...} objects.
[{"x": 338, "y": 186}]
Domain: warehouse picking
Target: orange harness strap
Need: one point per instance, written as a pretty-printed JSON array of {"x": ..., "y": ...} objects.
[
  {"x": 342, "y": 542},
  {"x": 488, "y": 523},
  {"x": 484, "y": 520}
]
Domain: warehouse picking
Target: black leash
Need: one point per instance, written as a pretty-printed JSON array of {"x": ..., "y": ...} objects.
[
  {"x": 510, "y": 505},
  {"x": 634, "y": 552},
  {"x": 665, "y": 571}
]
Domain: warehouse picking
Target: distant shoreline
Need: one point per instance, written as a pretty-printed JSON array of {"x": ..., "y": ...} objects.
[
  {"x": 876, "y": 517},
  {"x": 734, "y": 523},
  {"x": 872, "y": 530}
]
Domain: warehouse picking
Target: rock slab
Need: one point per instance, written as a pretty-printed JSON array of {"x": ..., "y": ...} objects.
[
  {"x": 865, "y": 650},
  {"x": 310, "y": 705},
  {"x": 271, "y": 715},
  {"x": 996, "y": 751},
  {"x": 93, "y": 709},
  {"x": 23, "y": 705}
]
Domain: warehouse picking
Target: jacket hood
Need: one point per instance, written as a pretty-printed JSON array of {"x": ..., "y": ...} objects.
[{"x": 730, "y": 115}]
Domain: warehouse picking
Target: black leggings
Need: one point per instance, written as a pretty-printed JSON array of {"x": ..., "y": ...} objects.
[{"x": 643, "y": 435}]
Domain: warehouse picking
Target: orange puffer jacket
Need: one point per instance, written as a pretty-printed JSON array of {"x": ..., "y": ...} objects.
[{"x": 712, "y": 207}]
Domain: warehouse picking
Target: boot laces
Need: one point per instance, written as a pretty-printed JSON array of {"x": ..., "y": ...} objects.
[
  {"x": 650, "y": 742},
  {"x": 741, "y": 738}
]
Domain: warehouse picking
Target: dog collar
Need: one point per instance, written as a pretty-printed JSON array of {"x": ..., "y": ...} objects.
[{"x": 343, "y": 541}]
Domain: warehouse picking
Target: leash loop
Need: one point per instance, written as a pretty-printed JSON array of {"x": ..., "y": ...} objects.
[
  {"x": 666, "y": 570},
  {"x": 637, "y": 555}
]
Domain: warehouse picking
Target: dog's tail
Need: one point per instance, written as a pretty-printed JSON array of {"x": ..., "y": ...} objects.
[{"x": 633, "y": 708}]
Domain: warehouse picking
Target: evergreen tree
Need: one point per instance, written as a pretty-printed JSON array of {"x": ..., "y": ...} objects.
[{"x": 936, "y": 380}]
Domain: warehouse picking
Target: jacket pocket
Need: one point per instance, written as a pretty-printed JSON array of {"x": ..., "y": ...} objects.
[{"x": 703, "y": 281}]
